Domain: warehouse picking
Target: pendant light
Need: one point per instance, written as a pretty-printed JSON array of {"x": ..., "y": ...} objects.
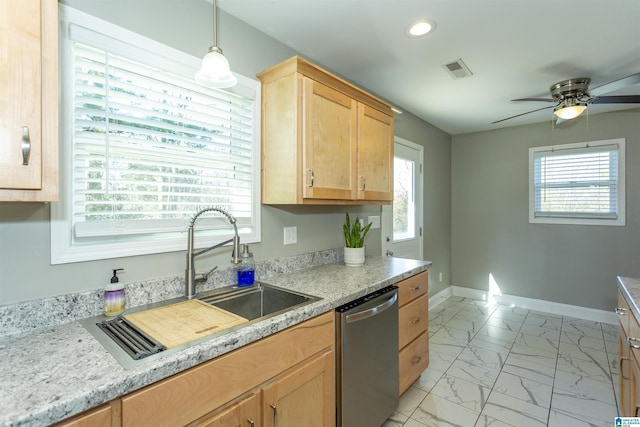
[{"x": 215, "y": 71}]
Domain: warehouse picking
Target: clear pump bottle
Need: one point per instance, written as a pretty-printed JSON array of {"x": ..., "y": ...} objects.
[{"x": 246, "y": 268}]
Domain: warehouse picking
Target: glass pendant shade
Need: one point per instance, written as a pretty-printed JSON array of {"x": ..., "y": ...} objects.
[
  {"x": 571, "y": 112},
  {"x": 215, "y": 71}
]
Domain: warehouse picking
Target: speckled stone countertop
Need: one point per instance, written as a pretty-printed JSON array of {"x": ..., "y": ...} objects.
[
  {"x": 54, "y": 373},
  {"x": 630, "y": 289}
]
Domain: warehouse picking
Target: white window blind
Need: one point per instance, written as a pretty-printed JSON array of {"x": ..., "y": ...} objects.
[
  {"x": 149, "y": 147},
  {"x": 578, "y": 181}
]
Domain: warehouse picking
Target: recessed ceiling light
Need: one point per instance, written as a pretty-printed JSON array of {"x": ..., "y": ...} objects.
[{"x": 420, "y": 28}]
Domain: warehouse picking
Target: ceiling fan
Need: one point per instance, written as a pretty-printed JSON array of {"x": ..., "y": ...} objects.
[{"x": 571, "y": 97}]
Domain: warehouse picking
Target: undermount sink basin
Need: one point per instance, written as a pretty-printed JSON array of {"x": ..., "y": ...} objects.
[{"x": 130, "y": 345}]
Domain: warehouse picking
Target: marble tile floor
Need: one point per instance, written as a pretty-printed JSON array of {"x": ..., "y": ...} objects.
[{"x": 508, "y": 366}]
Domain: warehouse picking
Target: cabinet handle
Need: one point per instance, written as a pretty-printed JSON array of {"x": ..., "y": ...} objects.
[
  {"x": 364, "y": 182},
  {"x": 275, "y": 415},
  {"x": 313, "y": 178},
  {"x": 26, "y": 146},
  {"x": 629, "y": 339},
  {"x": 417, "y": 288},
  {"x": 416, "y": 360},
  {"x": 637, "y": 409},
  {"x": 622, "y": 359},
  {"x": 621, "y": 311},
  {"x": 416, "y": 320},
  {"x": 251, "y": 422}
]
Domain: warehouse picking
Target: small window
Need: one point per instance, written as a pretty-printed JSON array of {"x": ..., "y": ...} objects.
[
  {"x": 144, "y": 147},
  {"x": 577, "y": 183}
]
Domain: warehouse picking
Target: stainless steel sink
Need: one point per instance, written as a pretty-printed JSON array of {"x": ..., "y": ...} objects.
[
  {"x": 258, "y": 301},
  {"x": 255, "y": 303}
]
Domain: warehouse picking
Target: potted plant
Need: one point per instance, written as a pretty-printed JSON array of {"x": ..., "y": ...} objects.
[{"x": 354, "y": 235}]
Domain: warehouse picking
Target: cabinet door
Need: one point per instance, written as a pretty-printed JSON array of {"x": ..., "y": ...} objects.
[
  {"x": 243, "y": 414},
  {"x": 29, "y": 100},
  {"x": 625, "y": 373},
  {"x": 375, "y": 154},
  {"x": 305, "y": 396},
  {"x": 329, "y": 143},
  {"x": 20, "y": 80}
]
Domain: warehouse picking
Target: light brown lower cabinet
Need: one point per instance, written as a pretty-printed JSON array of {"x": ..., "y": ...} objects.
[
  {"x": 629, "y": 348},
  {"x": 413, "y": 322},
  {"x": 284, "y": 380}
]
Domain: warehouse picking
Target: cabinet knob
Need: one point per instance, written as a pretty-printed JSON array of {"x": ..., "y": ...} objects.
[{"x": 26, "y": 146}]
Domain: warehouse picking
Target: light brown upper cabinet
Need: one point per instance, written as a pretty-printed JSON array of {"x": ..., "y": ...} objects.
[
  {"x": 29, "y": 100},
  {"x": 324, "y": 140}
]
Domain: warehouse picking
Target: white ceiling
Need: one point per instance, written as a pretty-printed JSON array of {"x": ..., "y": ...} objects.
[{"x": 514, "y": 48}]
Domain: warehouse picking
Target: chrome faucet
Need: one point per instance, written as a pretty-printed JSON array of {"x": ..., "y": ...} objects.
[{"x": 190, "y": 272}]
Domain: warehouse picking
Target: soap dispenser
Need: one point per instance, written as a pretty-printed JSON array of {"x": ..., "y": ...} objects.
[
  {"x": 114, "y": 295},
  {"x": 246, "y": 268}
]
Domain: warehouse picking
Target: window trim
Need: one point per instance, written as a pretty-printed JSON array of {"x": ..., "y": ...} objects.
[
  {"x": 575, "y": 220},
  {"x": 63, "y": 249}
]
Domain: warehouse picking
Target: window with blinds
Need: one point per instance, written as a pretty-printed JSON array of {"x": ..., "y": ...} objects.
[
  {"x": 148, "y": 147},
  {"x": 578, "y": 183}
]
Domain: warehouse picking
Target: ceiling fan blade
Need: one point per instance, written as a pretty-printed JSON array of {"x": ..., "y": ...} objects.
[
  {"x": 535, "y": 99},
  {"x": 615, "y": 85},
  {"x": 518, "y": 115},
  {"x": 619, "y": 99}
]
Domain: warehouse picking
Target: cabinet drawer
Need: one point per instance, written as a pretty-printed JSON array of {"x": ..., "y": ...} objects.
[
  {"x": 414, "y": 359},
  {"x": 413, "y": 319},
  {"x": 412, "y": 288},
  {"x": 192, "y": 394},
  {"x": 98, "y": 417}
]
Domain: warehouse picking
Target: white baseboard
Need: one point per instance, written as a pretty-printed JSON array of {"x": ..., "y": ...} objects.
[{"x": 530, "y": 303}]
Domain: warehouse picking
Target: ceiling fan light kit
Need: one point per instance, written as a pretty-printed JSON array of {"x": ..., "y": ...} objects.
[{"x": 572, "y": 96}]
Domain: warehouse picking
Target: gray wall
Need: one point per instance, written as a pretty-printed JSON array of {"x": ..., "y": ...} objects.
[
  {"x": 572, "y": 264},
  {"x": 437, "y": 194},
  {"x": 25, "y": 270}
]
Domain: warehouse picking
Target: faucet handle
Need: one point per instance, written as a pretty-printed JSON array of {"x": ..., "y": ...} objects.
[{"x": 202, "y": 277}]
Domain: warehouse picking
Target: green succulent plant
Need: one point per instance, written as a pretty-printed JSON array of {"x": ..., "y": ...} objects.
[{"x": 354, "y": 234}]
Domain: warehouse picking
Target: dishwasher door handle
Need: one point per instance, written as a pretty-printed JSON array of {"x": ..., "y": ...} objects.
[{"x": 350, "y": 318}]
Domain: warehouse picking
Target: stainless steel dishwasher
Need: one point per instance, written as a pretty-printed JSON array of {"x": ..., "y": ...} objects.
[{"x": 367, "y": 359}]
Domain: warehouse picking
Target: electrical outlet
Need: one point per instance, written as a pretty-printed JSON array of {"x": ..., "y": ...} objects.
[
  {"x": 374, "y": 220},
  {"x": 290, "y": 235}
]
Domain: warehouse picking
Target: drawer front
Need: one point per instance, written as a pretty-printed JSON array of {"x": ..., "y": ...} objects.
[
  {"x": 414, "y": 359},
  {"x": 413, "y": 319},
  {"x": 412, "y": 288}
]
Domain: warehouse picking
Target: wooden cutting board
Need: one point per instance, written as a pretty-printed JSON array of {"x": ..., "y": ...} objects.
[{"x": 183, "y": 322}]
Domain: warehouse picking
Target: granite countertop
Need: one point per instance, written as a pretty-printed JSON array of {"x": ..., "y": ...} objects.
[
  {"x": 57, "y": 372},
  {"x": 630, "y": 289}
]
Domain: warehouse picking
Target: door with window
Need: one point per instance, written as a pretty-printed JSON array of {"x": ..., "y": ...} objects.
[{"x": 402, "y": 221}]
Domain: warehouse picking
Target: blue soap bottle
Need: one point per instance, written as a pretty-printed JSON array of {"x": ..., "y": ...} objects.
[{"x": 246, "y": 268}]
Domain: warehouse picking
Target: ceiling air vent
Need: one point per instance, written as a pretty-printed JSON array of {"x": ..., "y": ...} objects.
[{"x": 458, "y": 69}]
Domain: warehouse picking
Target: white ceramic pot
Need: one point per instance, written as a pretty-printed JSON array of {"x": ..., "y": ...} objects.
[{"x": 353, "y": 257}]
